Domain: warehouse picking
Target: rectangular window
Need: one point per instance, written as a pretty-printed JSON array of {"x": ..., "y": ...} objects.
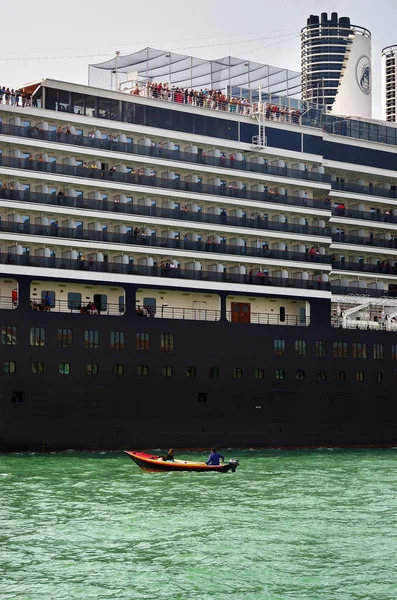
[
  {"x": 9, "y": 335},
  {"x": 74, "y": 301},
  {"x": 340, "y": 350},
  {"x": 91, "y": 338},
  {"x": 190, "y": 372},
  {"x": 321, "y": 375},
  {"x": 259, "y": 373},
  {"x": 359, "y": 350},
  {"x": 340, "y": 375},
  {"x": 9, "y": 366},
  {"x": 167, "y": 371},
  {"x": 65, "y": 338},
  {"x": 378, "y": 351},
  {"x": 359, "y": 375},
  {"x": 300, "y": 347},
  {"x": 167, "y": 342},
  {"x": 379, "y": 377},
  {"x": 91, "y": 369},
  {"x": 279, "y": 347},
  {"x": 143, "y": 370},
  {"x": 321, "y": 349},
  {"x": 142, "y": 341},
  {"x": 280, "y": 374},
  {"x": 37, "y": 368},
  {"x": 300, "y": 375},
  {"x": 64, "y": 368},
  {"x": 237, "y": 373},
  {"x": 18, "y": 397},
  {"x": 117, "y": 340},
  {"x": 202, "y": 397},
  {"x": 214, "y": 372},
  {"x": 37, "y": 336},
  {"x": 118, "y": 370}
]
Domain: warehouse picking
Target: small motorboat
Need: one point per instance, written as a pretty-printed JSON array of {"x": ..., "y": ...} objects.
[{"x": 150, "y": 462}]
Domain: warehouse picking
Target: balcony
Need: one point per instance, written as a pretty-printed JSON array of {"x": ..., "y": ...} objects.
[
  {"x": 373, "y": 293},
  {"x": 364, "y": 241},
  {"x": 83, "y": 266},
  {"x": 363, "y": 189},
  {"x": 133, "y": 178},
  {"x": 382, "y": 269},
  {"x": 158, "y": 242},
  {"x": 65, "y": 306},
  {"x": 41, "y": 135},
  {"x": 365, "y": 215},
  {"x": 162, "y": 213}
]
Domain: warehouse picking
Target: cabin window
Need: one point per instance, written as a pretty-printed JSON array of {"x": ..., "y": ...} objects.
[
  {"x": 282, "y": 314},
  {"x": 214, "y": 372},
  {"x": 321, "y": 375},
  {"x": 359, "y": 375},
  {"x": 118, "y": 370},
  {"x": 167, "y": 342},
  {"x": 9, "y": 366},
  {"x": 121, "y": 304},
  {"x": 91, "y": 369},
  {"x": 394, "y": 352},
  {"x": 117, "y": 340},
  {"x": 259, "y": 373},
  {"x": 64, "y": 368},
  {"x": 142, "y": 341},
  {"x": 378, "y": 351},
  {"x": 340, "y": 375},
  {"x": 9, "y": 335},
  {"x": 280, "y": 374},
  {"x": 143, "y": 370},
  {"x": 37, "y": 336},
  {"x": 202, "y": 397},
  {"x": 150, "y": 306},
  {"x": 340, "y": 350},
  {"x": 167, "y": 371},
  {"x": 37, "y": 368},
  {"x": 300, "y": 375},
  {"x": 18, "y": 397},
  {"x": 379, "y": 377},
  {"x": 237, "y": 373},
  {"x": 321, "y": 349},
  {"x": 279, "y": 347},
  {"x": 300, "y": 347},
  {"x": 190, "y": 372},
  {"x": 91, "y": 338},
  {"x": 65, "y": 338},
  {"x": 74, "y": 301},
  {"x": 359, "y": 350}
]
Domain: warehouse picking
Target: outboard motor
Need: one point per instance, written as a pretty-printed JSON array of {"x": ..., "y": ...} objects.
[{"x": 234, "y": 463}]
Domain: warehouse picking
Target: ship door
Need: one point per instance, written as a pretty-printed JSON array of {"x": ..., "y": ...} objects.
[{"x": 241, "y": 312}]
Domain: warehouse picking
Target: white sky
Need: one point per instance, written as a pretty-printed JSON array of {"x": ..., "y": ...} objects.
[{"x": 37, "y": 36}]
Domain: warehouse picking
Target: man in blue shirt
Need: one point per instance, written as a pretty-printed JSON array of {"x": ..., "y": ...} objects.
[{"x": 214, "y": 458}]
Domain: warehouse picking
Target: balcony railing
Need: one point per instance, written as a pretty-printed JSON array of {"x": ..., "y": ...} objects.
[
  {"x": 176, "y": 213},
  {"x": 157, "y": 271},
  {"x": 363, "y": 189},
  {"x": 364, "y": 241},
  {"x": 133, "y": 178},
  {"x": 383, "y": 269},
  {"x": 129, "y": 147},
  {"x": 140, "y": 239},
  {"x": 361, "y": 214},
  {"x": 66, "y": 306},
  {"x": 354, "y": 291},
  {"x": 266, "y": 319}
]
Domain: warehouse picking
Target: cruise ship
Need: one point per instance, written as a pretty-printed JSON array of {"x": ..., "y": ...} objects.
[{"x": 194, "y": 268}]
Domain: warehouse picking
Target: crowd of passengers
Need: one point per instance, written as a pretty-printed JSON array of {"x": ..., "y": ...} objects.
[
  {"x": 214, "y": 99},
  {"x": 16, "y": 97}
]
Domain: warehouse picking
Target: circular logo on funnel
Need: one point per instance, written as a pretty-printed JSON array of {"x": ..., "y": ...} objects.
[{"x": 363, "y": 74}]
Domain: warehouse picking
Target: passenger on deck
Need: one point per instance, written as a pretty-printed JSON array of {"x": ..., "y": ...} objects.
[{"x": 214, "y": 458}]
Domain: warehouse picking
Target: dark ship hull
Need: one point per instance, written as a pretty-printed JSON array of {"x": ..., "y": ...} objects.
[{"x": 49, "y": 412}]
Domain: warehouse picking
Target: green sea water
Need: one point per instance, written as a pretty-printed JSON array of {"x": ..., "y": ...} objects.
[{"x": 289, "y": 525}]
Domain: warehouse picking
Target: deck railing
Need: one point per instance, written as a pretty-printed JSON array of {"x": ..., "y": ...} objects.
[{"x": 42, "y": 304}]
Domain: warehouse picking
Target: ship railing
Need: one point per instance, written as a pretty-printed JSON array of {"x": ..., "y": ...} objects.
[
  {"x": 268, "y": 319},
  {"x": 129, "y": 147},
  {"x": 384, "y": 268},
  {"x": 141, "y": 239},
  {"x": 173, "y": 312},
  {"x": 71, "y": 306},
  {"x": 257, "y": 220},
  {"x": 176, "y": 184},
  {"x": 7, "y": 302},
  {"x": 365, "y": 241},
  {"x": 366, "y": 215},
  {"x": 166, "y": 271},
  {"x": 347, "y": 291},
  {"x": 364, "y": 189}
]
